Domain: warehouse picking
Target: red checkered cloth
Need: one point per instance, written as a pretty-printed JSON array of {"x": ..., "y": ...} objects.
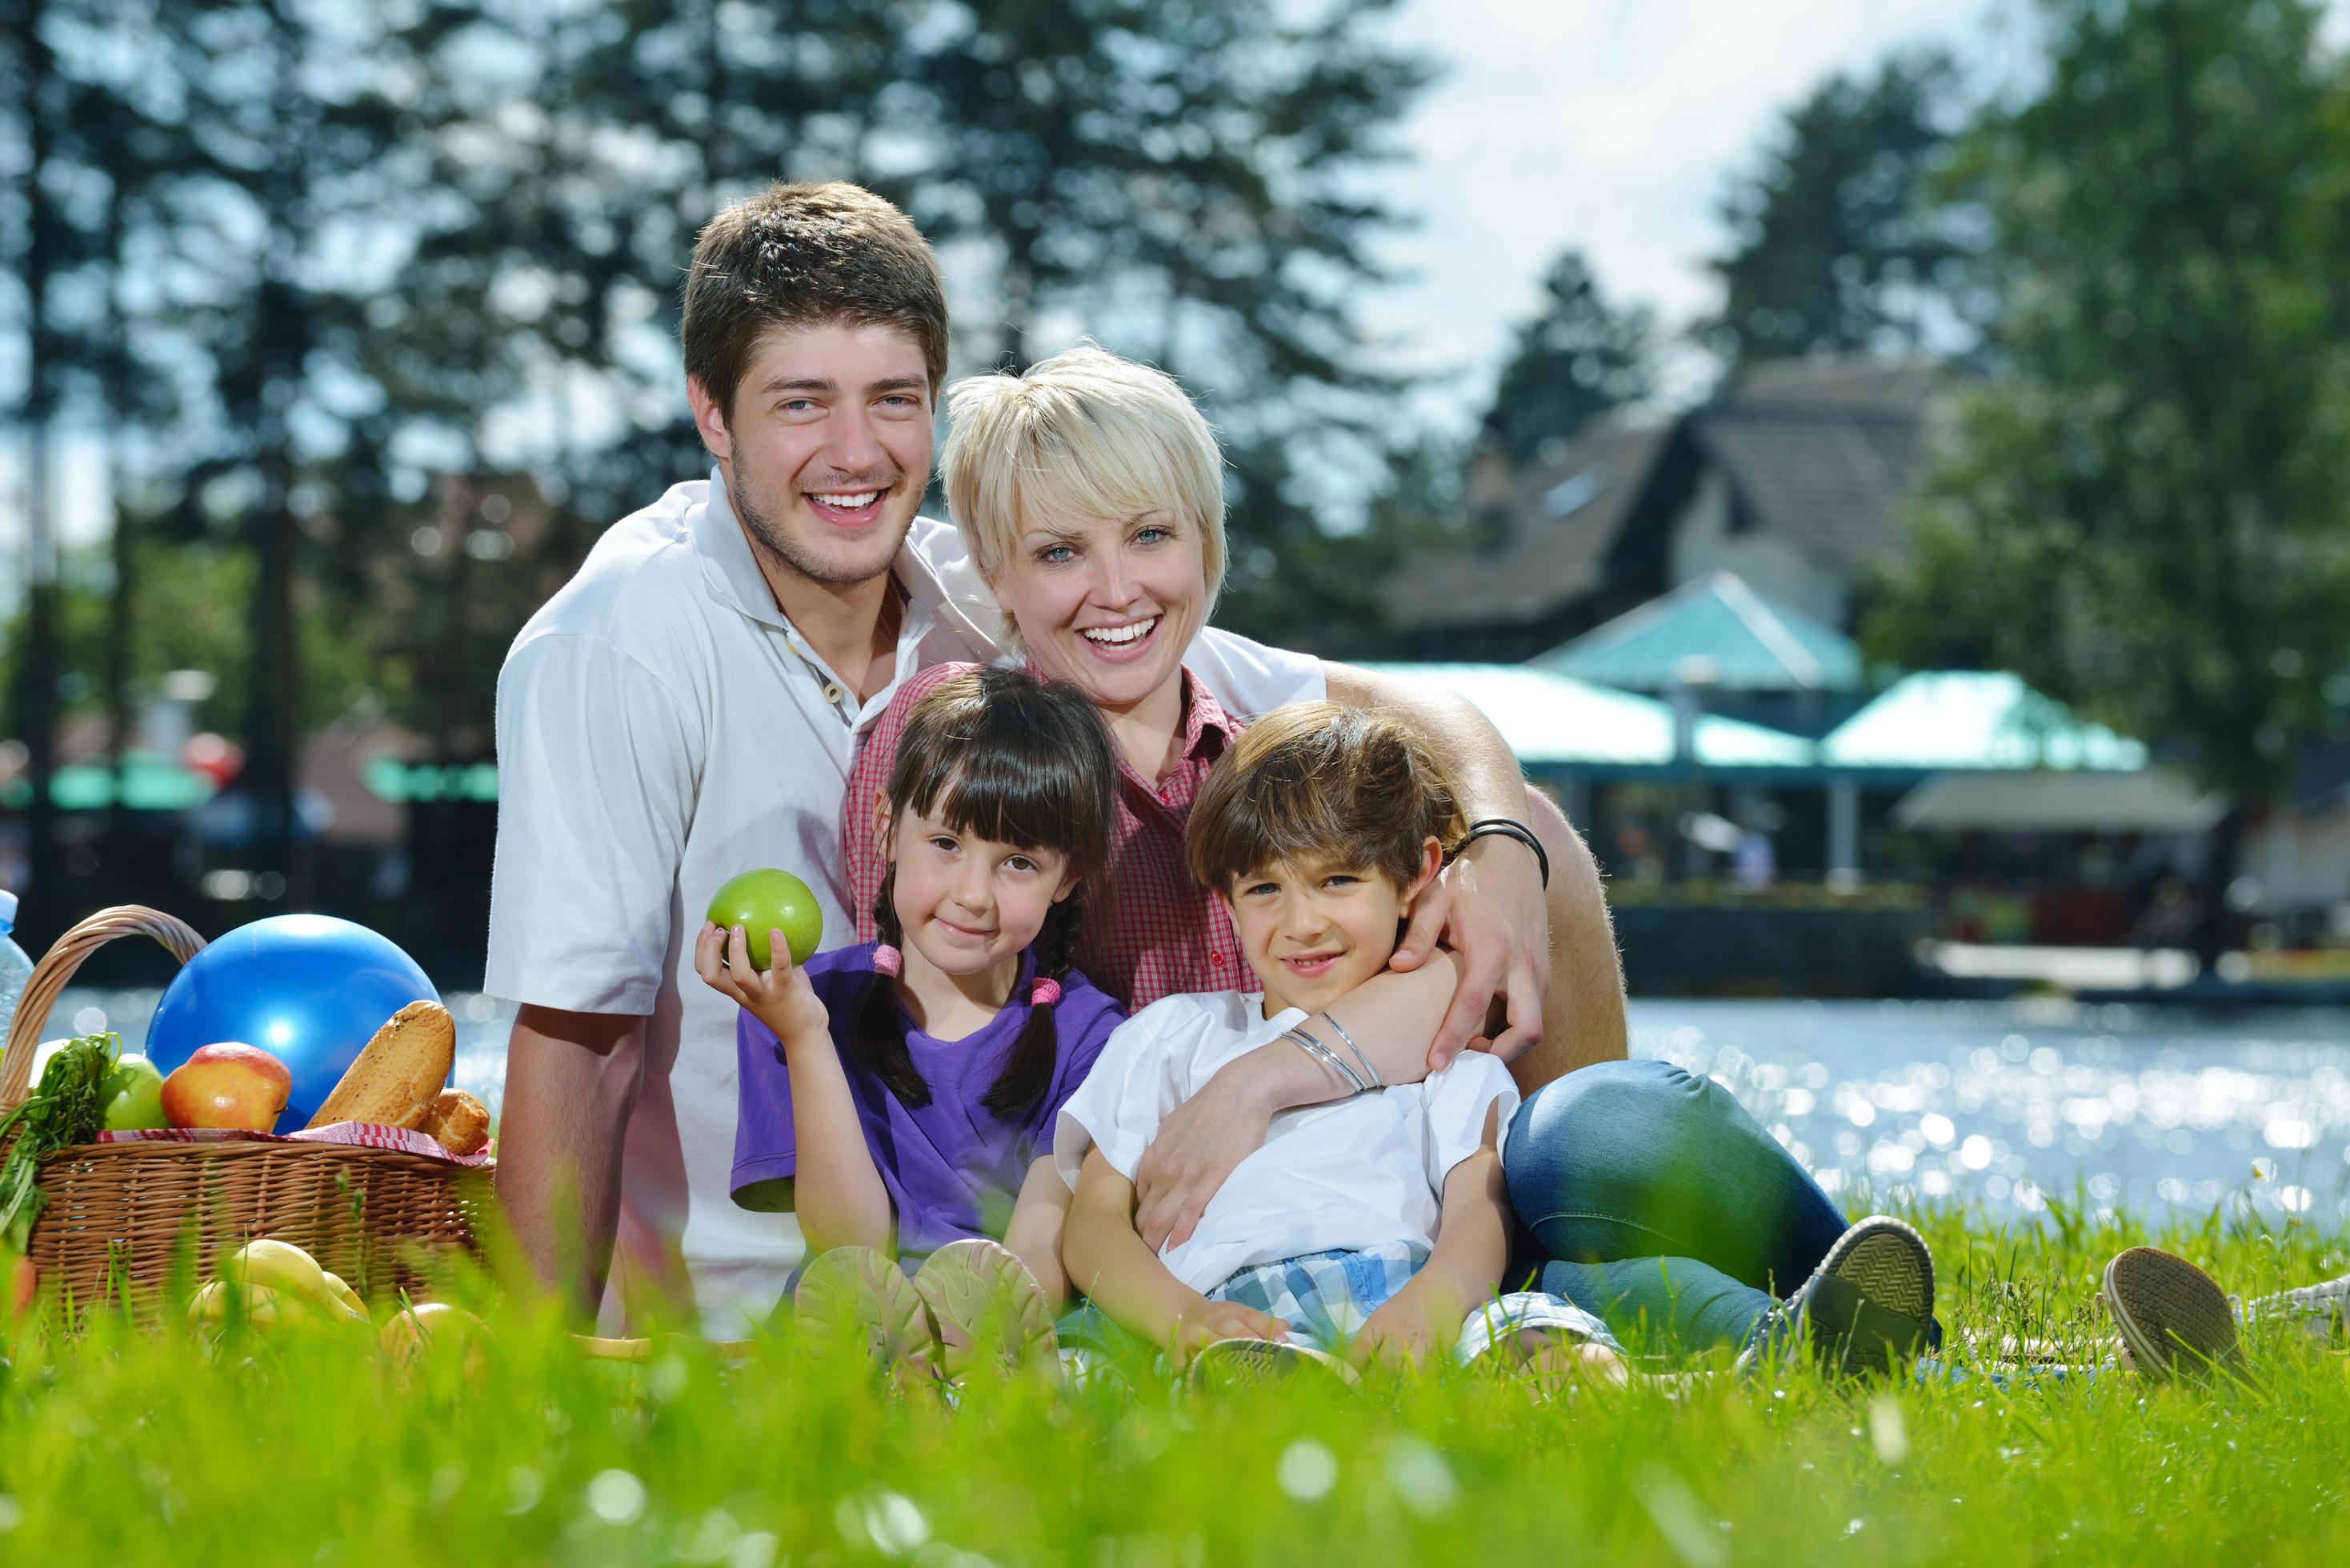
[
  {"x": 363, "y": 1135},
  {"x": 1153, "y": 933}
]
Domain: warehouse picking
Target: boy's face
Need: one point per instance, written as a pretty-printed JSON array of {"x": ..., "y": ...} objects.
[{"x": 1313, "y": 933}]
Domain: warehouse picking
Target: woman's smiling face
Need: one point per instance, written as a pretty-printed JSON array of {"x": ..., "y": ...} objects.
[{"x": 1108, "y": 605}]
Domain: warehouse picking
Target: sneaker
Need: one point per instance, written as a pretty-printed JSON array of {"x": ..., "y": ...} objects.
[
  {"x": 1869, "y": 1304},
  {"x": 2174, "y": 1318},
  {"x": 858, "y": 1296},
  {"x": 982, "y": 1298},
  {"x": 2320, "y": 1310},
  {"x": 1244, "y": 1362}
]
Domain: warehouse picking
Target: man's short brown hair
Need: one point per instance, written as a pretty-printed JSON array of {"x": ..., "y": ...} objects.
[
  {"x": 799, "y": 255},
  {"x": 1318, "y": 785}
]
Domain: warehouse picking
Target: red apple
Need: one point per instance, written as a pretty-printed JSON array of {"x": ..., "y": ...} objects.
[{"x": 227, "y": 1085}]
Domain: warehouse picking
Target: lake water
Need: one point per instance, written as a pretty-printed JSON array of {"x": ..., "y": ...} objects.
[{"x": 2008, "y": 1105}]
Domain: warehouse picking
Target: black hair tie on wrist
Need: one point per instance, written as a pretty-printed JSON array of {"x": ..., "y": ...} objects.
[{"x": 1506, "y": 827}]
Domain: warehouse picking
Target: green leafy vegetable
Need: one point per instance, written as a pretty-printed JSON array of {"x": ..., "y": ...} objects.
[{"x": 66, "y": 1107}]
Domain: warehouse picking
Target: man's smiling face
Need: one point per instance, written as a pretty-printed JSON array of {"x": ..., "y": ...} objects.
[{"x": 826, "y": 449}]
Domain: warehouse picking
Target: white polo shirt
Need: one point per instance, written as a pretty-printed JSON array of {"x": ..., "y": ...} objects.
[
  {"x": 1346, "y": 1176},
  {"x": 663, "y": 726}
]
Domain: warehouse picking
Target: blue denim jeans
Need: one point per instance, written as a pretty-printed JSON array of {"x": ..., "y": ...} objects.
[{"x": 1644, "y": 1164}]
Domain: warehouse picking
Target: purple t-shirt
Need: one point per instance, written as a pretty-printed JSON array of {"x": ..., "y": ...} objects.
[{"x": 952, "y": 1166}]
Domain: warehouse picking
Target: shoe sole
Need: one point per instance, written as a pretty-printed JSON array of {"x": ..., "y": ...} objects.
[
  {"x": 981, "y": 1296},
  {"x": 857, "y": 1296},
  {"x": 1257, "y": 1363},
  {"x": 1886, "y": 1265},
  {"x": 2173, "y": 1316}
]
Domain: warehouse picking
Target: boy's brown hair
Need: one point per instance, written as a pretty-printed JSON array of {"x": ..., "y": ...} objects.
[
  {"x": 797, "y": 255},
  {"x": 1319, "y": 785}
]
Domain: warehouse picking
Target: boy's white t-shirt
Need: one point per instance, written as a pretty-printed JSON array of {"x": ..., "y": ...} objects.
[
  {"x": 661, "y": 725},
  {"x": 1353, "y": 1174}
]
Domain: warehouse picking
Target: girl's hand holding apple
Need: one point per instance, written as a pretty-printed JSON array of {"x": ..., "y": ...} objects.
[{"x": 779, "y": 997}]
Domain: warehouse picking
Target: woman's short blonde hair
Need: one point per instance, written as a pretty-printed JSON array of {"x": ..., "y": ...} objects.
[{"x": 1082, "y": 435}]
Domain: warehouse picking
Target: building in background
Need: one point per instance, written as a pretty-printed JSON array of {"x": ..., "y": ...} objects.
[{"x": 1796, "y": 479}]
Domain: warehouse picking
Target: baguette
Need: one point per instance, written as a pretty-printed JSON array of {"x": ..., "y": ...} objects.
[
  {"x": 394, "y": 1080},
  {"x": 457, "y": 1122}
]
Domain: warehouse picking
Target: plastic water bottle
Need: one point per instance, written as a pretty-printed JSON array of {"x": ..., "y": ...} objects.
[{"x": 15, "y": 965}]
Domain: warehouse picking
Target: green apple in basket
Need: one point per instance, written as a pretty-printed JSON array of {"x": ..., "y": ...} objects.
[
  {"x": 134, "y": 1094},
  {"x": 132, "y": 1089},
  {"x": 769, "y": 900}
]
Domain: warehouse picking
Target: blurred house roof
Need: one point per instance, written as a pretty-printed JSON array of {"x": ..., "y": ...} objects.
[
  {"x": 1824, "y": 451},
  {"x": 1556, "y": 721},
  {"x": 1553, "y": 525},
  {"x": 1973, "y": 722},
  {"x": 1747, "y": 643},
  {"x": 1820, "y": 454}
]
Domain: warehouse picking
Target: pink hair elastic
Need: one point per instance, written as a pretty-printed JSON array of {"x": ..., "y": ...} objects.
[
  {"x": 1043, "y": 994},
  {"x": 886, "y": 960}
]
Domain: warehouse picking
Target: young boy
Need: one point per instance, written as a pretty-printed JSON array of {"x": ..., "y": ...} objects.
[{"x": 1374, "y": 1223}]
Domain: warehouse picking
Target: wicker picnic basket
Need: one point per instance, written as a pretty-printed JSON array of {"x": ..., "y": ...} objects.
[{"x": 122, "y": 1219}]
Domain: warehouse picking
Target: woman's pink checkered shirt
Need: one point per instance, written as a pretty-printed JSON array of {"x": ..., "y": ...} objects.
[{"x": 1154, "y": 933}]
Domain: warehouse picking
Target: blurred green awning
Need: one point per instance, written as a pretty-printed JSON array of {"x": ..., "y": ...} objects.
[
  {"x": 1973, "y": 722},
  {"x": 399, "y": 782},
  {"x": 150, "y": 782},
  {"x": 1556, "y": 721},
  {"x": 1741, "y": 640}
]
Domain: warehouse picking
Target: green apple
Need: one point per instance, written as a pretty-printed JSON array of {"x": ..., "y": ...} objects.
[
  {"x": 768, "y": 899},
  {"x": 134, "y": 1094}
]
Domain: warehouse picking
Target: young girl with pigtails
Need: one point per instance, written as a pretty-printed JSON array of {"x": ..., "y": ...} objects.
[{"x": 900, "y": 1095}]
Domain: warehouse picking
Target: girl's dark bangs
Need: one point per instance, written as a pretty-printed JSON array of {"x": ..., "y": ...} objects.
[{"x": 1015, "y": 791}]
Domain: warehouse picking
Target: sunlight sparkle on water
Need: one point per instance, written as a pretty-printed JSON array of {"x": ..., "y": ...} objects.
[
  {"x": 2009, "y": 1105},
  {"x": 2020, "y": 1105}
]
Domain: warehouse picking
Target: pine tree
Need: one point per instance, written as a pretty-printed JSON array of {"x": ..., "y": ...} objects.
[
  {"x": 1841, "y": 240},
  {"x": 1578, "y": 359}
]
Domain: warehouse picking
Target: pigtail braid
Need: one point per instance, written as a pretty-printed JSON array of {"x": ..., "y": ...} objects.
[
  {"x": 878, "y": 1036},
  {"x": 1027, "y": 1077}
]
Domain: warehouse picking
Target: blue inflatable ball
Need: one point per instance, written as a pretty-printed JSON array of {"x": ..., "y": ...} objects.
[{"x": 310, "y": 989}]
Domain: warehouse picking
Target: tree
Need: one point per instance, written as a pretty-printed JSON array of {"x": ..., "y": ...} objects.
[
  {"x": 1291, "y": 582},
  {"x": 87, "y": 149},
  {"x": 34, "y": 702},
  {"x": 1578, "y": 359},
  {"x": 2146, "y": 513},
  {"x": 1185, "y": 180},
  {"x": 1841, "y": 241},
  {"x": 288, "y": 222}
]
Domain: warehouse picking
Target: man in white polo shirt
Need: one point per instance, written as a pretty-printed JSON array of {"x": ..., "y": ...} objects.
[{"x": 687, "y": 707}]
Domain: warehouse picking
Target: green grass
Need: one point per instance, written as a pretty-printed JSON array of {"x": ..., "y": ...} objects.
[{"x": 298, "y": 1449}]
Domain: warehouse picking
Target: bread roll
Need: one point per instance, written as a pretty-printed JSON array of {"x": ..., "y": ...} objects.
[
  {"x": 393, "y": 1081},
  {"x": 457, "y": 1122}
]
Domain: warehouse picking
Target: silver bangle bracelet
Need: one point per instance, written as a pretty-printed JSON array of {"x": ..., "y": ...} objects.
[
  {"x": 1369, "y": 1070},
  {"x": 1327, "y": 1057}
]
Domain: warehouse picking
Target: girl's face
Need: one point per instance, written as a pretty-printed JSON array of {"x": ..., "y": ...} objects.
[
  {"x": 1108, "y": 605},
  {"x": 1313, "y": 933},
  {"x": 965, "y": 903}
]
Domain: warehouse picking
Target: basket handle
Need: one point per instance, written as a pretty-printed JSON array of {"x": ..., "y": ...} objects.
[{"x": 57, "y": 966}]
